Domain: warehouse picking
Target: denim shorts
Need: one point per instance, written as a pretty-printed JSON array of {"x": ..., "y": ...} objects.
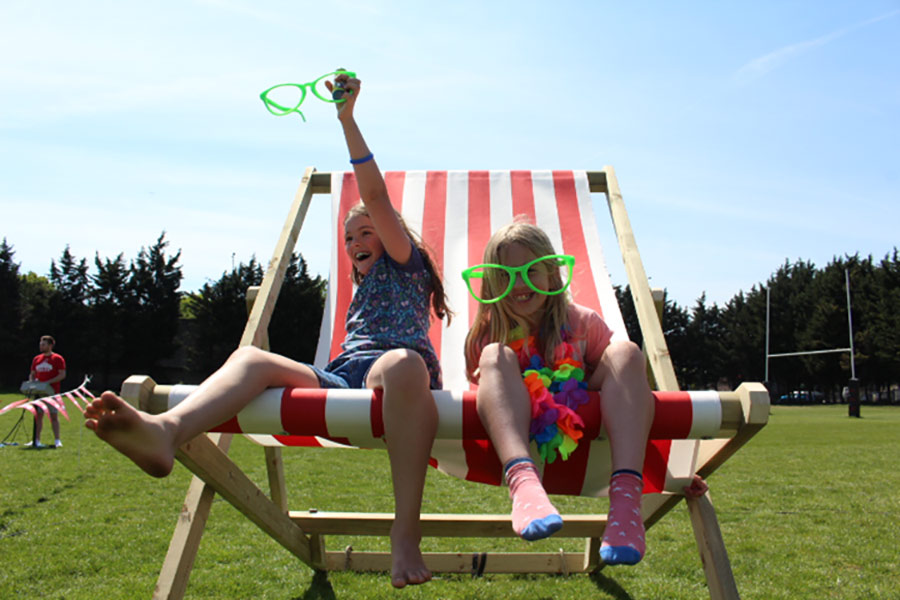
[{"x": 351, "y": 374}]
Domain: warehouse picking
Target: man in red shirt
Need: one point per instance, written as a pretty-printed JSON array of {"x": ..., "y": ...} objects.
[{"x": 48, "y": 367}]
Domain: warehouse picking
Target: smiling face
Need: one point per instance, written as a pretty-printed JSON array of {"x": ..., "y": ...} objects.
[
  {"x": 361, "y": 242},
  {"x": 522, "y": 300}
]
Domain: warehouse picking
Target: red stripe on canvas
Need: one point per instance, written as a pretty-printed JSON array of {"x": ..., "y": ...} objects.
[
  {"x": 656, "y": 461},
  {"x": 230, "y": 426},
  {"x": 481, "y": 459},
  {"x": 674, "y": 417},
  {"x": 303, "y": 410},
  {"x": 522, "y": 194},
  {"x": 584, "y": 293},
  {"x": 394, "y": 181},
  {"x": 376, "y": 414},
  {"x": 432, "y": 233}
]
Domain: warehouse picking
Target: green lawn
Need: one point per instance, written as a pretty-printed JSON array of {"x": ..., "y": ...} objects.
[{"x": 809, "y": 509}]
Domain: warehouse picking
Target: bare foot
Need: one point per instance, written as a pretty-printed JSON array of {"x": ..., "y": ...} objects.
[
  {"x": 408, "y": 566},
  {"x": 140, "y": 436}
]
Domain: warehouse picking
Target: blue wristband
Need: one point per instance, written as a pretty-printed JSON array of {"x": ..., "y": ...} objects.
[{"x": 359, "y": 161}]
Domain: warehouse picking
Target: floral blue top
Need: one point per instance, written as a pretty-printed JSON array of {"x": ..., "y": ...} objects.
[{"x": 391, "y": 309}]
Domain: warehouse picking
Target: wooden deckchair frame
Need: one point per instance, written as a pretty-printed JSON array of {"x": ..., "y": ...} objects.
[{"x": 302, "y": 533}]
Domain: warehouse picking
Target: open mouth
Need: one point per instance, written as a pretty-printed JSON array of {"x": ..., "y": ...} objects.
[{"x": 361, "y": 256}]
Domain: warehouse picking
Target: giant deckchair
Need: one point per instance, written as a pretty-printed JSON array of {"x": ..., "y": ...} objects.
[{"x": 693, "y": 432}]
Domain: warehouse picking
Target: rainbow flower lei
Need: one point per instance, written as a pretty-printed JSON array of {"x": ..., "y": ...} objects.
[{"x": 555, "y": 394}]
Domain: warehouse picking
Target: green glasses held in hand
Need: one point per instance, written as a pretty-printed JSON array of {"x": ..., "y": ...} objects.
[
  {"x": 285, "y": 98},
  {"x": 497, "y": 281}
]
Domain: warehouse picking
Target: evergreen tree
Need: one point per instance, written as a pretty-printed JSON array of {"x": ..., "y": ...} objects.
[
  {"x": 294, "y": 330},
  {"x": 10, "y": 316},
  {"x": 220, "y": 314},
  {"x": 153, "y": 305},
  {"x": 69, "y": 315},
  {"x": 109, "y": 316}
]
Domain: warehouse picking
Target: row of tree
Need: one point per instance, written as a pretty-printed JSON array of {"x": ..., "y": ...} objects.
[
  {"x": 713, "y": 345},
  {"x": 129, "y": 317}
]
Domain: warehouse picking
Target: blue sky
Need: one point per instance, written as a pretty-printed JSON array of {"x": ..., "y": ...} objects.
[{"x": 742, "y": 135}]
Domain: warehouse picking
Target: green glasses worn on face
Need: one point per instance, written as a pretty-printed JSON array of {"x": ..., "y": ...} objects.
[
  {"x": 498, "y": 280},
  {"x": 285, "y": 98}
]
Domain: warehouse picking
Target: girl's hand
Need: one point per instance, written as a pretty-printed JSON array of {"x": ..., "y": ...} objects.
[
  {"x": 351, "y": 93},
  {"x": 697, "y": 488}
]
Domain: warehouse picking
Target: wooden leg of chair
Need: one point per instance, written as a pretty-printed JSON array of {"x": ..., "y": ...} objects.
[
  {"x": 591, "y": 554},
  {"x": 214, "y": 467},
  {"x": 176, "y": 569},
  {"x": 719, "y": 577},
  {"x": 277, "y": 486}
]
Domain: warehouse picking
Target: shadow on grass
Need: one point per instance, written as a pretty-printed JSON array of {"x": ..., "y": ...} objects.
[
  {"x": 320, "y": 589},
  {"x": 610, "y": 586}
]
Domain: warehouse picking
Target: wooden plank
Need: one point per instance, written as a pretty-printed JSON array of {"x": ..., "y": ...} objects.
[
  {"x": 137, "y": 390},
  {"x": 657, "y": 351},
  {"x": 591, "y": 554},
  {"x": 716, "y": 565},
  {"x": 274, "y": 463},
  {"x": 173, "y": 577},
  {"x": 560, "y": 563},
  {"x": 437, "y": 524},
  {"x": 214, "y": 467},
  {"x": 258, "y": 323}
]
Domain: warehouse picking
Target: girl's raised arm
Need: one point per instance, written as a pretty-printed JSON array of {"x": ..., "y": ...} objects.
[{"x": 372, "y": 189}]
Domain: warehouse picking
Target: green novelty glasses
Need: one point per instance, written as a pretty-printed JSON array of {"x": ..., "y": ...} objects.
[
  {"x": 285, "y": 98},
  {"x": 498, "y": 280}
]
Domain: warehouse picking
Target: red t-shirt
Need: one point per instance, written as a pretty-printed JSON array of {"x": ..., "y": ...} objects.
[{"x": 47, "y": 367}]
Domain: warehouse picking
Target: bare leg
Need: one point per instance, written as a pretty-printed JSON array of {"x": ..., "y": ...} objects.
[
  {"x": 54, "y": 422},
  {"x": 626, "y": 403},
  {"x": 151, "y": 440},
  {"x": 504, "y": 407},
  {"x": 503, "y": 402},
  {"x": 410, "y": 424},
  {"x": 38, "y": 427}
]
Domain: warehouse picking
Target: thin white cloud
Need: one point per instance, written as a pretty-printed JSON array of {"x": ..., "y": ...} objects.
[{"x": 759, "y": 67}]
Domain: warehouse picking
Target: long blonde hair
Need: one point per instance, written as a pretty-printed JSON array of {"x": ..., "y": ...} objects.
[
  {"x": 494, "y": 322},
  {"x": 439, "y": 301}
]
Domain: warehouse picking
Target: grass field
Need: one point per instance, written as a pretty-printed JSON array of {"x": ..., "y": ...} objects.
[{"x": 808, "y": 509}]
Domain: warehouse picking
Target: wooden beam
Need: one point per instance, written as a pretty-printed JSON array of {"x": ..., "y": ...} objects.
[
  {"x": 438, "y": 525},
  {"x": 214, "y": 467},
  {"x": 475, "y": 563},
  {"x": 657, "y": 351},
  {"x": 719, "y": 576},
  {"x": 258, "y": 323}
]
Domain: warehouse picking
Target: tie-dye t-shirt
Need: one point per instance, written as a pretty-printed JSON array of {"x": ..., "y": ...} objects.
[{"x": 391, "y": 309}]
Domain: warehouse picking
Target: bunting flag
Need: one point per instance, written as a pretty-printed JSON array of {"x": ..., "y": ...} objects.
[
  {"x": 54, "y": 400},
  {"x": 455, "y": 212}
]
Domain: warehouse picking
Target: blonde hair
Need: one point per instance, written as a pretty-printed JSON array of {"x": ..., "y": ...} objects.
[
  {"x": 438, "y": 296},
  {"x": 494, "y": 322}
]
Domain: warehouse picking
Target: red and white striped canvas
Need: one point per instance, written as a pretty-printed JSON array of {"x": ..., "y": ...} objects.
[{"x": 455, "y": 212}]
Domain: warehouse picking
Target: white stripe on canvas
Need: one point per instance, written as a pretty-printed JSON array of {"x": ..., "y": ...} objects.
[{"x": 455, "y": 261}]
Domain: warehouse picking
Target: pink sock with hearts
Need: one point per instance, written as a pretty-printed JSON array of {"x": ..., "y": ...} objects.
[
  {"x": 623, "y": 540},
  {"x": 533, "y": 515}
]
